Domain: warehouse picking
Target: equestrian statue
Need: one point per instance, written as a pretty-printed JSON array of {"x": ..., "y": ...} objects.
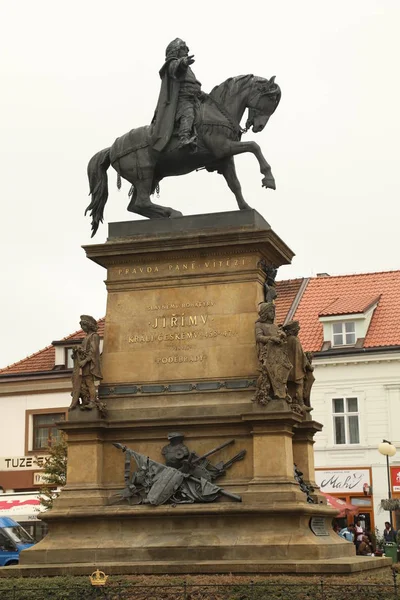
[{"x": 190, "y": 130}]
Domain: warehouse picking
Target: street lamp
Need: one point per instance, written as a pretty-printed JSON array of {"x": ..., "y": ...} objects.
[{"x": 387, "y": 449}]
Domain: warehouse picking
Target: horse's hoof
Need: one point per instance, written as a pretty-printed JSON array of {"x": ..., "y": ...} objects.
[
  {"x": 268, "y": 182},
  {"x": 174, "y": 213}
]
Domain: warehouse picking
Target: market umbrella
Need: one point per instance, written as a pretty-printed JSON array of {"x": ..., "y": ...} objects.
[{"x": 345, "y": 507}]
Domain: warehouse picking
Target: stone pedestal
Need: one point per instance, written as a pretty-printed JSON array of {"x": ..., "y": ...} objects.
[{"x": 179, "y": 355}]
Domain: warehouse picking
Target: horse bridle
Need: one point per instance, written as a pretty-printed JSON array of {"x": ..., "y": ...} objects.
[{"x": 253, "y": 112}]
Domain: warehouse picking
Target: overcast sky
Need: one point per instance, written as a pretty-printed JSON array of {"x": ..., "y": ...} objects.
[{"x": 75, "y": 75}]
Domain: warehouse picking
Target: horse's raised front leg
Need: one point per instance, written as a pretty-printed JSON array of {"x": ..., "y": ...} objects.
[
  {"x": 268, "y": 180},
  {"x": 227, "y": 169}
]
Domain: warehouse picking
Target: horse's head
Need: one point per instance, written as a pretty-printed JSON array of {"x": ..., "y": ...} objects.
[{"x": 262, "y": 103}]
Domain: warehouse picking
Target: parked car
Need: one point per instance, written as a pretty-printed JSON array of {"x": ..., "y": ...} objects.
[{"x": 13, "y": 539}]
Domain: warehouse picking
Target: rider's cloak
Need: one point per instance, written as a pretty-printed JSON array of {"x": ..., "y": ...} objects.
[{"x": 172, "y": 73}]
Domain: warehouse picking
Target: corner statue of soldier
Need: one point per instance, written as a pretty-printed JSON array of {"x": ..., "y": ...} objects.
[
  {"x": 86, "y": 367},
  {"x": 300, "y": 378},
  {"x": 272, "y": 356},
  {"x": 179, "y": 99}
]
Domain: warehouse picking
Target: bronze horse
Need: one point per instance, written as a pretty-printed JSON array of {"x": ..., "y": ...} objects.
[{"x": 219, "y": 133}]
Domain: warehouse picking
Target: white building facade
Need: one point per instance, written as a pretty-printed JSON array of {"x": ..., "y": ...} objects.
[{"x": 357, "y": 398}]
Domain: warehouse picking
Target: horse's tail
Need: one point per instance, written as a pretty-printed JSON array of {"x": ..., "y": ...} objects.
[{"x": 98, "y": 183}]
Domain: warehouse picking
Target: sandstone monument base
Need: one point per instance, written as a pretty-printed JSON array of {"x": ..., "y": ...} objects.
[{"x": 179, "y": 355}]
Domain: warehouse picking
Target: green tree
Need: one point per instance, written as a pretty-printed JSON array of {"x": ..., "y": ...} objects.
[{"x": 55, "y": 471}]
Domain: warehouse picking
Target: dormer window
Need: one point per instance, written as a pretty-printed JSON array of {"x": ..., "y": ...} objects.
[
  {"x": 346, "y": 319},
  {"x": 63, "y": 353},
  {"x": 69, "y": 361},
  {"x": 344, "y": 333}
]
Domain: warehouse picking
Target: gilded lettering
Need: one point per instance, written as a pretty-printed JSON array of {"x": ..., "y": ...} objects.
[
  {"x": 193, "y": 320},
  {"x": 165, "y": 360},
  {"x": 184, "y": 267},
  {"x": 174, "y": 321},
  {"x": 204, "y": 318}
]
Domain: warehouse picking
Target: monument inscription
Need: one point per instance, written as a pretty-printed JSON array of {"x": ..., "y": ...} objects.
[
  {"x": 171, "y": 317},
  {"x": 168, "y": 329},
  {"x": 223, "y": 264}
]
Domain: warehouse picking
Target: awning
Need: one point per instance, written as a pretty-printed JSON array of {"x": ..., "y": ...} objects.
[
  {"x": 20, "y": 507},
  {"x": 345, "y": 507}
]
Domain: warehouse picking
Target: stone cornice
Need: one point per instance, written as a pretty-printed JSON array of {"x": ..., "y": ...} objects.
[
  {"x": 357, "y": 358},
  {"x": 35, "y": 383},
  {"x": 150, "y": 241}
]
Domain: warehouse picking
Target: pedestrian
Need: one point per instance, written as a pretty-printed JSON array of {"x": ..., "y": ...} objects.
[
  {"x": 359, "y": 532},
  {"x": 389, "y": 533},
  {"x": 348, "y": 533},
  {"x": 336, "y": 528},
  {"x": 364, "y": 548},
  {"x": 372, "y": 540}
]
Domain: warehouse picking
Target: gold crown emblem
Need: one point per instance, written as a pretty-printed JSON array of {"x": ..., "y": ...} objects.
[{"x": 98, "y": 578}]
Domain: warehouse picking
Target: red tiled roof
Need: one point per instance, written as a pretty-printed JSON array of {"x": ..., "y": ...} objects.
[
  {"x": 44, "y": 359},
  {"x": 287, "y": 292},
  {"x": 349, "y": 305},
  {"x": 352, "y": 291}
]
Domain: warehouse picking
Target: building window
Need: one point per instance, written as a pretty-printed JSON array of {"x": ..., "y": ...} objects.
[
  {"x": 44, "y": 430},
  {"x": 344, "y": 333},
  {"x": 345, "y": 421},
  {"x": 69, "y": 361}
]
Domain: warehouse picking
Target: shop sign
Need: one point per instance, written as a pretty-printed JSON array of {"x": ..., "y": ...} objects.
[
  {"x": 39, "y": 478},
  {"x": 22, "y": 463},
  {"x": 343, "y": 481},
  {"x": 395, "y": 476}
]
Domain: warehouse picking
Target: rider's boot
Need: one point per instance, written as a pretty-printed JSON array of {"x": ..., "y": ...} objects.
[{"x": 186, "y": 136}]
